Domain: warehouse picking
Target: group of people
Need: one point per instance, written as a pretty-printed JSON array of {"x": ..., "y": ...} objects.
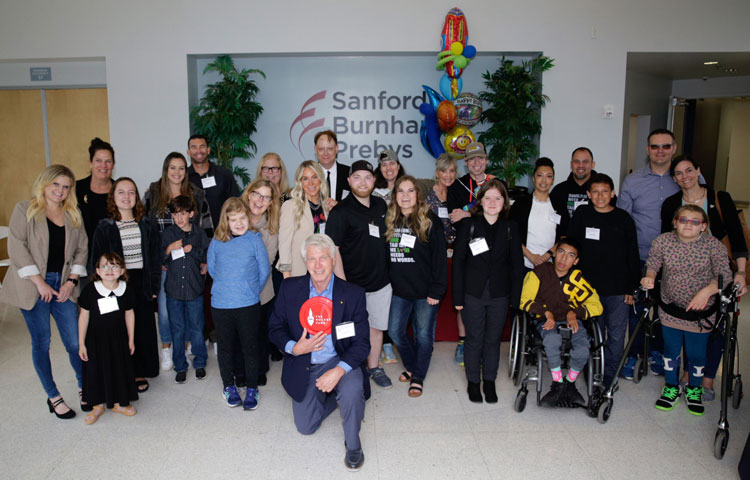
[{"x": 369, "y": 249}]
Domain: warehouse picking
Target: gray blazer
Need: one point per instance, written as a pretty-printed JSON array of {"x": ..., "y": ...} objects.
[
  {"x": 28, "y": 249},
  {"x": 292, "y": 237}
]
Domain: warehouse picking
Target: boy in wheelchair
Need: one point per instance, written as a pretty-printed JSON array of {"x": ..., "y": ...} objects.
[{"x": 559, "y": 296}]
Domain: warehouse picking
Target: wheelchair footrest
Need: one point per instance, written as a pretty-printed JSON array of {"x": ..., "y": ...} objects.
[{"x": 569, "y": 404}]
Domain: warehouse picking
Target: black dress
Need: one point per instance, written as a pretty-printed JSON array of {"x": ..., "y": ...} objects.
[{"x": 108, "y": 375}]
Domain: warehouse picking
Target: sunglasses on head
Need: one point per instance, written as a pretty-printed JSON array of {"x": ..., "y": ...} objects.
[
  {"x": 665, "y": 146},
  {"x": 686, "y": 220}
]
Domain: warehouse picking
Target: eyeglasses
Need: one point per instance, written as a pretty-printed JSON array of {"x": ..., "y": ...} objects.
[
  {"x": 665, "y": 146},
  {"x": 686, "y": 220},
  {"x": 270, "y": 169},
  {"x": 265, "y": 198},
  {"x": 109, "y": 267}
]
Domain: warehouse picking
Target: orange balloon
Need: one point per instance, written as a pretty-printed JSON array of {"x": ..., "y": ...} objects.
[{"x": 447, "y": 116}]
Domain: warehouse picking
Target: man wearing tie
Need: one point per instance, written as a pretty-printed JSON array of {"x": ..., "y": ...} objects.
[{"x": 326, "y": 150}]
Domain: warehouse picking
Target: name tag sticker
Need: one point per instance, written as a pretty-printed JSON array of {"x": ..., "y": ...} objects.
[
  {"x": 592, "y": 233},
  {"x": 108, "y": 304},
  {"x": 554, "y": 218},
  {"x": 178, "y": 253},
  {"x": 208, "y": 182},
  {"x": 374, "y": 230},
  {"x": 478, "y": 246},
  {"x": 443, "y": 212},
  {"x": 344, "y": 330},
  {"x": 407, "y": 241},
  {"x": 344, "y": 194},
  {"x": 322, "y": 228}
]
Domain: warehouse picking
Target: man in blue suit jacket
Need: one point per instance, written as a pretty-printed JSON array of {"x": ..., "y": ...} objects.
[{"x": 321, "y": 371}]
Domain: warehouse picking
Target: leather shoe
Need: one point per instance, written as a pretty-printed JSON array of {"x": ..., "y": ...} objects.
[
  {"x": 475, "y": 392},
  {"x": 354, "y": 459},
  {"x": 490, "y": 394}
]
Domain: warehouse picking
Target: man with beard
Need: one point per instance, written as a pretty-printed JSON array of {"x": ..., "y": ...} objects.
[
  {"x": 357, "y": 227},
  {"x": 217, "y": 181}
]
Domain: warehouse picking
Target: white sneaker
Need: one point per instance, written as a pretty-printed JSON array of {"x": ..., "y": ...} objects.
[{"x": 166, "y": 359}]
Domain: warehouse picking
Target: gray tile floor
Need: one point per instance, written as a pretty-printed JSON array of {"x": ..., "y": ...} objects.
[{"x": 185, "y": 431}]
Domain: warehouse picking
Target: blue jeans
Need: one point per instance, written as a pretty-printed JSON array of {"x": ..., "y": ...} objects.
[
  {"x": 417, "y": 353},
  {"x": 614, "y": 323},
  {"x": 165, "y": 331},
  {"x": 187, "y": 321},
  {"x": 37, "y": 320},
  {"x": 695, "y": 350}
]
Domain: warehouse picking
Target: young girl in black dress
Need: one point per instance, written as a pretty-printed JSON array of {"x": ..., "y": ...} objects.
[{"x": 105, "y": 337}]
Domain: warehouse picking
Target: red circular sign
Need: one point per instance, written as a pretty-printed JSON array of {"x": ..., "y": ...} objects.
[{"x": 316, "y": 315}]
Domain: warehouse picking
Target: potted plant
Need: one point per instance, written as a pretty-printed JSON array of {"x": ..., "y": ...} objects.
[
  {"x": 513, "y": 102},
  {"x": 227, "y": 114}
]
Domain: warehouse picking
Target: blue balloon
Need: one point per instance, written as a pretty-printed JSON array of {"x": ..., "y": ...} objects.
[
  {"x": 470, "y": 51},
  {"x": 433, "y": 96},
  {"x": 445, "y": 87}
]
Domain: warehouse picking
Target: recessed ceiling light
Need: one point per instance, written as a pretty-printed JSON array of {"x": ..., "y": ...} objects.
[{"x": 712, "y": 62}]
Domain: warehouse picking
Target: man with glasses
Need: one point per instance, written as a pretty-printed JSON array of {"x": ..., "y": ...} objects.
[
  {"x": 642, "y": 195},
  {"x": 326, "y": 151},
  {"x": 462, "y": 195},
  {"x": 217, "y": 181}
]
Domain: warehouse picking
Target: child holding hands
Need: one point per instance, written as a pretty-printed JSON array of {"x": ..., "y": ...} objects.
[
  {"x": 105, "y": 335},
  {"x": 184, "y": 247}
]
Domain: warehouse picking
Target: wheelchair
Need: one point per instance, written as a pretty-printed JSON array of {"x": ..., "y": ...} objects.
[{"x": 526, "y": 360}]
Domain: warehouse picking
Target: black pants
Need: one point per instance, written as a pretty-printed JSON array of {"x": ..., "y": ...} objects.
[
  {"x": 243, "y": 324},
  {"x": 484, "y": 319}
]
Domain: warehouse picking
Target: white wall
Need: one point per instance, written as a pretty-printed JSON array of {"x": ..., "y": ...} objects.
[
  {"x": 712, "y": 87},
  {"x": 145, "y": 44}
]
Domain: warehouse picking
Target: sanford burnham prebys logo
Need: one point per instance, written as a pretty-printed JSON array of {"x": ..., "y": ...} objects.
[{"x": 364, "y": 124}]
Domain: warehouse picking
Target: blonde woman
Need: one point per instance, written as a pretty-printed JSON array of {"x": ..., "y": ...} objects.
[
  {"x": 419, "y": 277},
  {"x": 263, "y": 202},
  {"x": 47, "y": 245},
  {"x": 272, "y": 168},
  {"x": 304, "y": 214}
]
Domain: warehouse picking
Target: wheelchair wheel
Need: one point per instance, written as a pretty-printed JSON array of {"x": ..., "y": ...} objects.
[
  {"x": 516, "y": 350},
  {"x": 605, "y": 409},
  {"x": 720, "y": 443},
  {"x": 520, "y": 403},
  {"x": 737, "y": 393},
  {"x": 513, "y": 347},
  {"x": 638, "y": 370}
]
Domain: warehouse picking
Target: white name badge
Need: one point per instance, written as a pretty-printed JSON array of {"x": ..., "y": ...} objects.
[
  {"x": 443, "y": 212},
  {"x": 344, "y": 194},
  {"x": 407, "y": 241},
  {"x": 374, "y": 230},
  {"x": 322, "y": 228},
  {"x": 478, "y": 246},
  {"x": 344, "y": 330},
  {"x": 554, "y": 218},
  {"x": 208, "y": 182},
  {"x": 178, "y": 253},
  {"x": 579, "y": 203},
  {"x": 592, "y": 233},
  {"x": 108, "y": 304}
]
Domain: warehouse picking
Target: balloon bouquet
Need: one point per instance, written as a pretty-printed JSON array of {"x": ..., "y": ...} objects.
[{"x": 453, "y": 112}]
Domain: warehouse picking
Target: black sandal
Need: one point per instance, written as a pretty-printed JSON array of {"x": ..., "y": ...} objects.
[
  {"x": 141, "y": 383},
  {"x": 415, "y": 389},
  {"x": 405, "y": 377},
  {"x": 84, "y": 406}
]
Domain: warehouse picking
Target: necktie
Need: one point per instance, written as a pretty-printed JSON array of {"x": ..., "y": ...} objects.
[{"x": 328, "y": 181}]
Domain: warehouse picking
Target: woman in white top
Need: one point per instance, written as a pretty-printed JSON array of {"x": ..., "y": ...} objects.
[{"x": 538, "y": 222}]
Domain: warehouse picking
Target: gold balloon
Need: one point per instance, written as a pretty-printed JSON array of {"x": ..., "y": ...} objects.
[{"x": 457, "y": 140}]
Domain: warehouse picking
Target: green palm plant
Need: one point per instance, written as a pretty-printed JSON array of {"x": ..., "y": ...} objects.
[
  {"x": 514, "y": 100},
  {"x": 227, "y": 114}
]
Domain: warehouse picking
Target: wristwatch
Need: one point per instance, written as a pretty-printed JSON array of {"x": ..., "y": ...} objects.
[{"x": 74, "y": 280}]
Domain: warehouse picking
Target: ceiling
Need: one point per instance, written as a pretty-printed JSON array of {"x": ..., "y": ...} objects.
[{"x": 684, "y": 65}]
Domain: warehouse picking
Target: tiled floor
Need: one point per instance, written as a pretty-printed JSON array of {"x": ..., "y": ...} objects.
[{"x": 185, "y": 431}]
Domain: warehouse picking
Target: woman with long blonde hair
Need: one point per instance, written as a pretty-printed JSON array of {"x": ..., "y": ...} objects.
[
  {"x": 263, "y": 202},
  {"x": 272, "y": 168},
  {"x": 301, "y": 216},
  {"x": 418, "y": 273},
  {"x": 47, "y": 245}
]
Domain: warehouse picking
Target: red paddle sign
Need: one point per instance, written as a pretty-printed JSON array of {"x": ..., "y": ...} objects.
[{"x": 316, "y": 315}]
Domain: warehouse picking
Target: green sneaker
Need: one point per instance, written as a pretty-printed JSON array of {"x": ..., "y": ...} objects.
[
  {"x": 458, "y": 357},
  {"x": 670, "y": 396},
  {"x": 694, "y": 400}
]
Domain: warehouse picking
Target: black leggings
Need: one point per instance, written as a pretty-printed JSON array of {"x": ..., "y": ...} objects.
[{"x": 243, "y": 324}]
